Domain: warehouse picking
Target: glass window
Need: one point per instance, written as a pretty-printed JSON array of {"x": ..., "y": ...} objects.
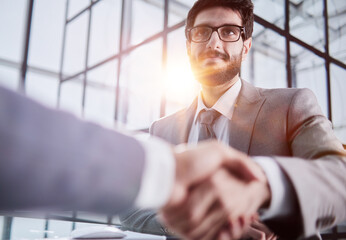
[
  {"x": 12, "y": 29},
  {"x": 9, "y": 77},
  {"x": 75, "y": 6},
  {"x": 180, "y": 87},
  {"x": 271, "y": 10},
  {"x": 100, "y": 104},
  {"x": 265, "y": 65},
  {"x": 27, "y": 228},
  {"x": 147, "y": 20},
  {"x": 307, "y": 23},
  {"x": 177, "y": 12},
  {"x": 338, "y": 90},
  {"x": 105, "y": 31},
  {"x": 100, "y": 94},
  {"x": 308, "y": 71},
  {"x": 47, "y": 34},
  {"x": 141, "y": 86},
  {"x": 71, "y": 96},
  {"x": 76, "y": 43},
  {"x": 188, "y": 3},
  {"x": 337, "y": 29},
  {"x": 257, "y": 30},
  {"x": 58, "y": 229},
  {"x": 104, "y": 75},
  {"x": 43, "y": 88}
]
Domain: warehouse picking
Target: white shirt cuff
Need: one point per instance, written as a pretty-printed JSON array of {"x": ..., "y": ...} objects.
[
  {"x": 158, "y": 175},
  {"x": 281, "y": 203}
]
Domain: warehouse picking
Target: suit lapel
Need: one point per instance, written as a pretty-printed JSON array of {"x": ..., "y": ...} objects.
[
  {"x": 184, "y": 123},
  {"x": 246, "y": 109}
]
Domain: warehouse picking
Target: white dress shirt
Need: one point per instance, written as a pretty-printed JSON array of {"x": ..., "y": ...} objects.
[{"x": 158, "y": 175}]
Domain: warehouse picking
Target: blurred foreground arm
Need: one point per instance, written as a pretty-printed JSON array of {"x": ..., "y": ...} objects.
[{"x": 52, "y": 160}]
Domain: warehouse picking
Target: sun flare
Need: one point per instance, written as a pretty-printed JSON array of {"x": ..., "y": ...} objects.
[{"x": 179, "y": 85}]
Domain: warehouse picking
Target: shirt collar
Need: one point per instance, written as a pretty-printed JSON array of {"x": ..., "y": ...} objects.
[{"x": 224, "y": 105}]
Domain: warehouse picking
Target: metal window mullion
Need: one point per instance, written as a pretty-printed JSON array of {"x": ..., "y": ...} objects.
[
  {"x": 26, "y": 47},
  {"x": 46, "y": 228},
  {"x": 117, "y": 89},
  {"x": 83, "y": 11},
  {"x": 299, "y": 42},
  {"x": 127, "y": 50},
  {"x": 7, "y": 227},
  {"x": 290, "y": 83},
  {"x": 327, "y": 59},
  {"x": 62, "y": 53},
  {"x": 74, "y": 217},
  {"x": 164, "y": 55},
  {"x": 86, "y": 58}
]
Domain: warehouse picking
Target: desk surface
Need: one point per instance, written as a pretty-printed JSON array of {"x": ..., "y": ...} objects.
[{"x": 27, "y": 228}]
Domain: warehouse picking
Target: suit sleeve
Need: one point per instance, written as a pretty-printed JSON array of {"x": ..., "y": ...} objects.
[
  {"x": 317, "y": 170},
  {"x": 52, "y": 159}
]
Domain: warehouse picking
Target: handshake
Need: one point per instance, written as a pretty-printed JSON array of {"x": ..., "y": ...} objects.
[{"x": 216, "y": 195}]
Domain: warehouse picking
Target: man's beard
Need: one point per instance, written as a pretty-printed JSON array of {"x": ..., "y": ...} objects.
[{"x": 211, "y": 75}]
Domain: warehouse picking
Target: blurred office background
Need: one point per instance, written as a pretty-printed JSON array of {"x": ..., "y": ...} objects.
[{"x": 123, "y": 62}]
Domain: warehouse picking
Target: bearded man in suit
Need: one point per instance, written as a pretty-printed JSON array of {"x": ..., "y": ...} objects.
[{"x": 282, "y": 130}]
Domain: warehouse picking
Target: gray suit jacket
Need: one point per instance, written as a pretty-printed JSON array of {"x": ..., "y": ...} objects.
[
  {"x": 288, "y": 125},
  {"x": 51, "y": 159}
]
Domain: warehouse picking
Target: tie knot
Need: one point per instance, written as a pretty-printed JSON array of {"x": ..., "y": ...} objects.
[{"x": 208, "y": 116}]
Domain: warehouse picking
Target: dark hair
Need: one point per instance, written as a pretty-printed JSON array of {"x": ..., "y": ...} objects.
[{"x": 244, "y": 7}]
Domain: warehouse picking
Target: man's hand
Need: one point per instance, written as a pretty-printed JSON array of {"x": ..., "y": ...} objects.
[
  {"x": 216, "y": 188},
  {"x": 197, "y": 163}
]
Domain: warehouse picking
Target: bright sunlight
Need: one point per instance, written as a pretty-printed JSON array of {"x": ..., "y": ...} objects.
[{"x": 180, "y": 86}]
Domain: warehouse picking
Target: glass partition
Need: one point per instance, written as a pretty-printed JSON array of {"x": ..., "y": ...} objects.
[
  {"x": 307, "y": 22},
  {"x": 338, "y": 90},
  {"x": 272, "y": 11},
  {"x": 105, "y": 31},
  {"x": 265, "y": 65},
  {"x": 140, "y": 86},
  {"x": 337, "y": 29},
  {"x": 308, "y": 71}
]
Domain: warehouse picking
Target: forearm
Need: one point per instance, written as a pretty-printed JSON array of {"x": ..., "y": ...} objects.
[
  {"x": 319, "y": 187},
  {"x": 50, "y": 158}
]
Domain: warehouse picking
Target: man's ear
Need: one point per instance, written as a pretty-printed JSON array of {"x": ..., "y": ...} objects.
[
  {"x": 188, "y": 47},
  {"x": 246, "y": 48}
]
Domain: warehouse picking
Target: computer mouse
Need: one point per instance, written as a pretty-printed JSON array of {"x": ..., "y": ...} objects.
[{"x": 100, "y": 232}]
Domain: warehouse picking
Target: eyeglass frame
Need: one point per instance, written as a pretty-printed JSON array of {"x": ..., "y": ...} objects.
[{"x": 215, "y": 29}]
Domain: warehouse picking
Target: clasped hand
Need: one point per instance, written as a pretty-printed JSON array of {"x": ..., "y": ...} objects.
[{"x": 217, "y": 193}]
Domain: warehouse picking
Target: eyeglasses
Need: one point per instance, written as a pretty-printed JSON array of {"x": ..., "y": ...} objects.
[{"x": 227, "y": 33}]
